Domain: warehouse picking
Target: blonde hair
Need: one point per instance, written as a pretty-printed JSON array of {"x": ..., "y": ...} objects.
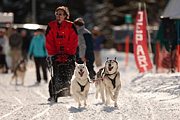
[
  {"x": 79, "y": 22},
  {"x": 65, "y": 9}
]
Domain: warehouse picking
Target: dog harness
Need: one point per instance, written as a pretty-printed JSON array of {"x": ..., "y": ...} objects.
[
  {"x": 112, "y": 80},
  {"x": 82, "y": 87}
]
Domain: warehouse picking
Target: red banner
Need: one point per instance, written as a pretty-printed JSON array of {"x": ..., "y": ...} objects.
[{"x": 140, "y": 43}]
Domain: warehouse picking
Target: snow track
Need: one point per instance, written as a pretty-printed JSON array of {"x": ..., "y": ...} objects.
[{"x": 6, "y": 115}]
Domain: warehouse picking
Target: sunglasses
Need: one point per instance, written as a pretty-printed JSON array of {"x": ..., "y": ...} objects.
[{"x": 59, "y": 14}]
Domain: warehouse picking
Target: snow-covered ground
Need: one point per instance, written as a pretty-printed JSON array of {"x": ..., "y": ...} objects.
[{"x": 147, "y": 96}]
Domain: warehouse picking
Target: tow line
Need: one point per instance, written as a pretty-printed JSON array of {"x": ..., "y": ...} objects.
[{"x": 95, "y": 80}]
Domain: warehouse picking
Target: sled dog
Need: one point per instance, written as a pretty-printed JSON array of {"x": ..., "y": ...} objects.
[
  {"x": 111, "y": 80},
  {"x": 19, "y": 72},
  {"x": 80, "y": 83},
  {"x": 99, "y": 84}
]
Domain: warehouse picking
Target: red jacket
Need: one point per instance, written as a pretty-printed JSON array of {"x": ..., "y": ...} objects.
[{"x": 61, "y": 39}]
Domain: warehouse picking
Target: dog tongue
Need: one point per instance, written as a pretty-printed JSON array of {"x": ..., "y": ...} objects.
[
  {"x": 81, "y": 73},
  {"x": 110, "y": 68}
]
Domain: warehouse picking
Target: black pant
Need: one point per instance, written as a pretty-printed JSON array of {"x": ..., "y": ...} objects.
[
  {"x": 62, "y": 74},
  {"x": 3, "y": 62},
  {"x": 41, "y": 62}
]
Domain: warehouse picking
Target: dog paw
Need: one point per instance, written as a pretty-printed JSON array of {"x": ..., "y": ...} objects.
[
  {"x": 85, "y": 104},
  {"x": 79, "y": 105},
  {"x": 106, "y": 104},
  {"x": 115, "y": 105}
]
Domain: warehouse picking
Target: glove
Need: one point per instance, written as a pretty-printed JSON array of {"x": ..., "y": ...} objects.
[
  {"x": 54, "y": 58},
  {"x": 71, "y": 57}
]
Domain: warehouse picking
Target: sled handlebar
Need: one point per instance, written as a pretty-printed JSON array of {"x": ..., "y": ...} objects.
[
  {"x": 61, "y": 54},
  {"x": 69, "y": 57}
]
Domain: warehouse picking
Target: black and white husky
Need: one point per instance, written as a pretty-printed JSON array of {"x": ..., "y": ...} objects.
[
  {"x": 111, "y": 81},
  {"x": 80, "y": 83},
  {"x": 19, "y": 72}
]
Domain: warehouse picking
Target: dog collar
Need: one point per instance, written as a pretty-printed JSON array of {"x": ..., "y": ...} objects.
[{"x": 111, "y": 74}]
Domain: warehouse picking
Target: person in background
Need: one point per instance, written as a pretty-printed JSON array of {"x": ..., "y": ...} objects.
[
  {"x": 98, "y": 40},
  {"x": 85, "y": 51},
  {"x": 15, "y": 42},
  {"x": 62, "y": 39},
  {"x": 38, "y": 51},
  {"x": 4, "y": 45},
  {"x": 25, "y": 45}
]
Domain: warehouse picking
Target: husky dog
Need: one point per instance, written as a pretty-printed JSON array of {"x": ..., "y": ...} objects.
[
  {"x": 19, "y": 72},
  {"x": 99, "y": 84},
  {"x": 80, "y": 83},
  {"x": 111, "y": 80}
]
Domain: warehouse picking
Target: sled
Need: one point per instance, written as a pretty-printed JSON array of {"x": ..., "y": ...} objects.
[{"x": 61, "y": 74}]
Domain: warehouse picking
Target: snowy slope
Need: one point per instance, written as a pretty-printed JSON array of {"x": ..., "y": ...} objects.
[{"x": 147, "y": 96}]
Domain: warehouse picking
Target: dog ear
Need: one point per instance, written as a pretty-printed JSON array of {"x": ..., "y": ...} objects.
[
  {"x": 107, "y": 59},
  {"x": 115, "y": 58},
  {"x": 84, "y": 63},
  {"x": 102, "y": 72}
]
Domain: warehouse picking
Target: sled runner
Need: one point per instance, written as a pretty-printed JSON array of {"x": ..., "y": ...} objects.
[{"x": 61, "y": 74}]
